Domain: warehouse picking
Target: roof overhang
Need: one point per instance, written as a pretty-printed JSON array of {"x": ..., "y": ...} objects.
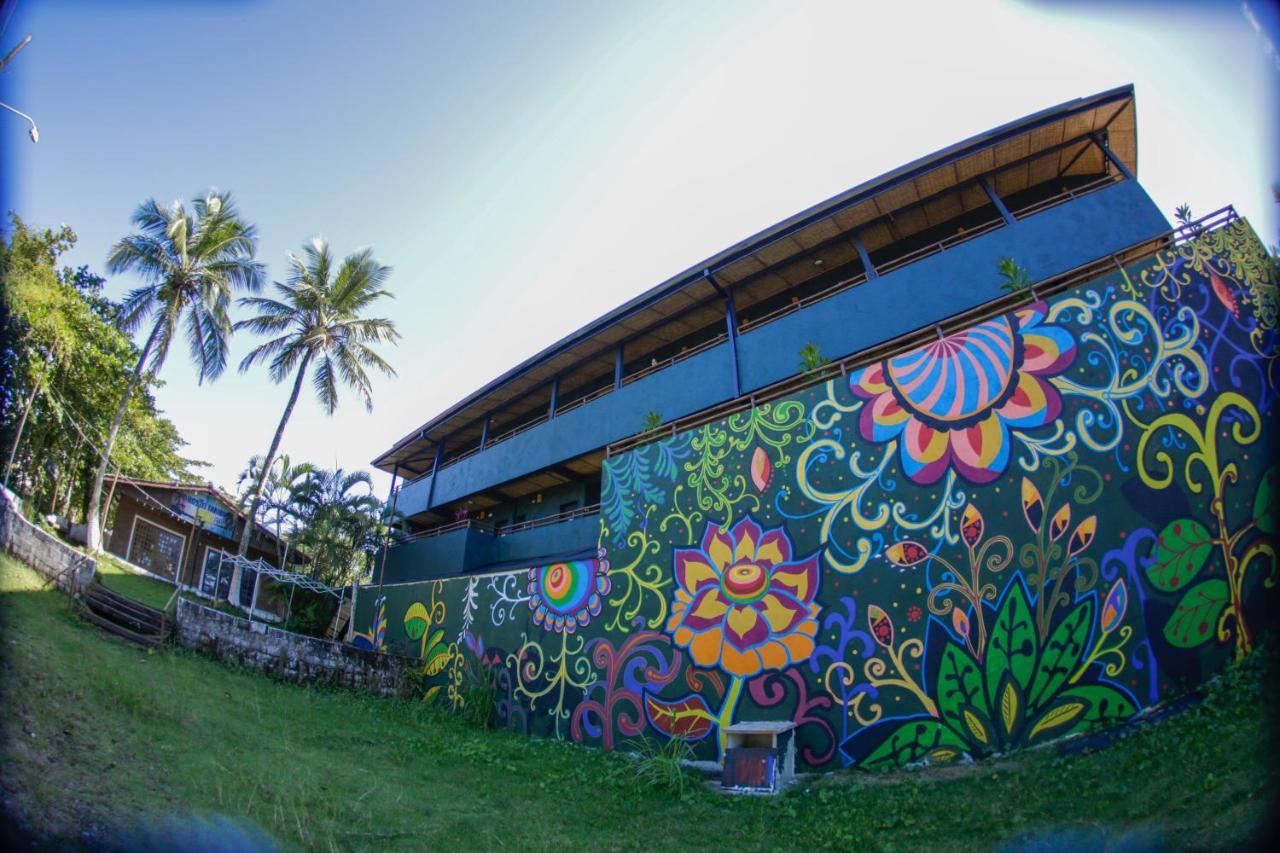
[{"x": 1056, "y": 142}]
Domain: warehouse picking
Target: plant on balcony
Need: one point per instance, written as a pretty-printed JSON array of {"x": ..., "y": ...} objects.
[
  {"x": 811, "y": 358},
  {"x": 1013, "y": 277},
  {"x": 652, "y": 420},
  {"x": 1184, "y": 216}
]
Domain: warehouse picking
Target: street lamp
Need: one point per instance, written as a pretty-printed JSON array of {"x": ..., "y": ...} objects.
[{"x": 34, "y": 131}]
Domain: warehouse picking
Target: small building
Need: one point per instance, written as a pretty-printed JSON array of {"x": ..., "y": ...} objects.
[{"x": 180, "y": 531}]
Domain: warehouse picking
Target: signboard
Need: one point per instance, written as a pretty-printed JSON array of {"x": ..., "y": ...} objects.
[{"x": 207, "y": 512}]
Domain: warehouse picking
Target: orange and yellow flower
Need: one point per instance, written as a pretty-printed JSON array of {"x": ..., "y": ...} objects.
[{"x": 741, "y": 603}]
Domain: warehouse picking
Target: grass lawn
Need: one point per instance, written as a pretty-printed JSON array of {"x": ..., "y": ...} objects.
[
  {"x": 103, "y": 739},
  {"x": 142, "y": 589}
]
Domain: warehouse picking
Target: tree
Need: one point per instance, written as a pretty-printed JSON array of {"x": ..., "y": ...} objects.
[
  {"x": 339, "y": 523},
  {"x": 279, "y": 505},
  {"x": 64, "y": 364},
  {"x": 317, "y": 319},
  {"x": 36, "y": 313},
  {"x": 192, "y": 262}
]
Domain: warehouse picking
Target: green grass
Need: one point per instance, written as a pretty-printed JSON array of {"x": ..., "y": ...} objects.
[
  {"x": 99, "y": 734},
  {"x": 142, "y": 589}
]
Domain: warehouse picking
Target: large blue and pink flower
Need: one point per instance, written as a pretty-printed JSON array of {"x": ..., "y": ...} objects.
[
  {"x": 742, "y": 603},
  {"x": 952, "y": 403}
]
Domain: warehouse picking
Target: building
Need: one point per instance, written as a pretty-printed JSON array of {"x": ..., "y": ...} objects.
[
  {"x": 996, "y": 515},
  {"x": 179, "y": 532}
]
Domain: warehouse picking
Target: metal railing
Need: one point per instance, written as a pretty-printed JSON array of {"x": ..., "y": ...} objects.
[
  {"x": 488, "y": 527},
  {"x": 904, "y": 343},
  {"x": 799, "y": 304}
]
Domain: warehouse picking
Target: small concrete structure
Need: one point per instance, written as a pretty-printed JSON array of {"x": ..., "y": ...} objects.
[{"x": 760, "y": 757}]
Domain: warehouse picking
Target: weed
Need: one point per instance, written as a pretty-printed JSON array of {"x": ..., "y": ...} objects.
[
  {"x": 811, "y": 358},
  {"x": 661, "y": 763},
  {"x": 1013, "y": 277}
]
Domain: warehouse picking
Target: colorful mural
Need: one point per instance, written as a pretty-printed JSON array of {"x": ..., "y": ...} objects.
[{"x": 1031, "y": 528}]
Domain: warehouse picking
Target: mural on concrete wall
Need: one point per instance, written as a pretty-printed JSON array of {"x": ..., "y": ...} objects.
[{"x": 1031, "y": 528}]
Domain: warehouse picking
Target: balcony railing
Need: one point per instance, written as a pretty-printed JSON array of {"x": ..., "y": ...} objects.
[
  {"x": 492, "y": 529},
  {"x": 798, "y": 304},
  {"x": 904, "y": 343}
]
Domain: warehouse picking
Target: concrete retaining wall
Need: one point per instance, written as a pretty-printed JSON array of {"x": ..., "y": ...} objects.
[
  {"x": 65, "y": 566},
  {"x": 288, "y": 656}
]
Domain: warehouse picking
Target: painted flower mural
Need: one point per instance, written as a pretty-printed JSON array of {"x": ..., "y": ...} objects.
[
  {"x": 741, "y": 603},
  {"x": 953, "y": 402},
  {"x": 564, "y": 596}
]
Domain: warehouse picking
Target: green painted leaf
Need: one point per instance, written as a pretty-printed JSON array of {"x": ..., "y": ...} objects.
[
  {"x": 911, "y": 741},
  {"x": 1104, "y": 706},
  {"x": 959, "y": 684},
  {"x": 1011, "y": 709},
  {"x": 1051, "y": 723},
  {"x": 437, "y": 658},
  {"x": 1196, "y": 616},
  {"x": 978, "y": 731},
  {"x": 1264, "y": 502},
  {"x": 1181, "y": 551},
  {"x": 1013, "y": 646},
  {"x": 416, "y": 621},
  {"x": 1062, "y": 654}
]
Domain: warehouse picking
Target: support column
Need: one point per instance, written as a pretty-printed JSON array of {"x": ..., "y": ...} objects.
[
  {"x": 484, "y": 431},
  {"x": 393, "y": 497},
  {"x": 1110, "y": 155},
  {"x": 866, "y": 259},
  {"x": 617, "y": 368},
  {"x": 435, "y": 469},
  {"x": 555, "y": 398},
  {"x": 731, "y": 327},
  {"x": 995, "y": 199}
]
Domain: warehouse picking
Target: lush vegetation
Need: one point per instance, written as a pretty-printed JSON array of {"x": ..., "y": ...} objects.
[
  {"x": 64, "y": 366},
  {"x": 155, "y": 744}
]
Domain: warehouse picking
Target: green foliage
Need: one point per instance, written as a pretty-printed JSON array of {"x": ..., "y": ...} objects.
[
  {"x": 1183, "y": 214},
  {"x": 652, "y": 420},
  {"x": 479, "y": 694},
  {"x": 811, "y": 358},
  {"x": 337, "y": 522},
  {"x": 311, "y": 613},
  {"x": 661, "y": 764},
  {"x": 1013, "y": 278},
  {"x": 1182, "y": 549},
  {"x": 64, "y": 366}
]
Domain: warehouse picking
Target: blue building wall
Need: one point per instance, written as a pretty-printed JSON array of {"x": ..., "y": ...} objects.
[{"x": 911, "y": 297}]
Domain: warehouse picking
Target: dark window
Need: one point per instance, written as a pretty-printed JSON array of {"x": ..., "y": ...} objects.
[
  {"x": 155, "y": 549},
  {"x": 569, "y": 507}
]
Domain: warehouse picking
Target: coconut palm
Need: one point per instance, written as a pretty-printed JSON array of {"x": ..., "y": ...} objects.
[
  {"x": 192, "y": 261},
  {"x": 317, "y": 320}
]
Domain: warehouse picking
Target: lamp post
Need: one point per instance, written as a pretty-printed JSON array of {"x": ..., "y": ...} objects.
[{"x": 34, "y": 131}]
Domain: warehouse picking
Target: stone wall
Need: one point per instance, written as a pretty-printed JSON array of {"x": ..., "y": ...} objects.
[
  {"x": 65, "y": 566},
  {"x": 288, "y": 656}
]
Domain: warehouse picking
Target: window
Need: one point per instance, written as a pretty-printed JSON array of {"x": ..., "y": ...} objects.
[
  {"x": 155, "y": 548},
  {"x": 569, "y": 507},
  {"x": 215, "y": 575}
]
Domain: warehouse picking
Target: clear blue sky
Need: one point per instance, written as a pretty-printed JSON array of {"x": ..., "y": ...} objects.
[{"x": 527, "y": 166}]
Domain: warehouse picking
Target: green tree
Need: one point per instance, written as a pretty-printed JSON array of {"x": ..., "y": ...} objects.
[
  {"x": 317, "y": 320},
  {"x": 279, "y": 507},
  {"x": 192, "y": 263},
  {"x": 340, "y": 522},
  {"x": 64, "y": 366}
]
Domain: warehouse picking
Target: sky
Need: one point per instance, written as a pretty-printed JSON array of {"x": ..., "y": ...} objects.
[{"x": 527, "y": 166}]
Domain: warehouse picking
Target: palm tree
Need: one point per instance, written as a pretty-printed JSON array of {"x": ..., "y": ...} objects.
[
  {"x": 192, "y": 262},
  {"x": 317, "y": 319},
  {"x": 283, "y": 484},
  {"x": 337, "y": 516}
]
